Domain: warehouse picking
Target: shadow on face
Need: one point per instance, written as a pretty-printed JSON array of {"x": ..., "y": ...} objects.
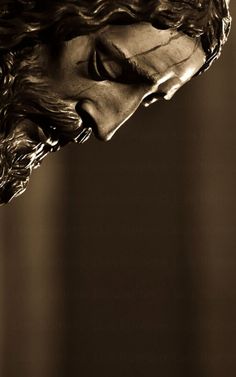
[
  {"x": 106, "y": 75},
  {"x": 92, "y": 83}
]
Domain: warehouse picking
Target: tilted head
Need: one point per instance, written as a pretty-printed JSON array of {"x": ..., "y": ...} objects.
[{"x": 69, "y": 68}]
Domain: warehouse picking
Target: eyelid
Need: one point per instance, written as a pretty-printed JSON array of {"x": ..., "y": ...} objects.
[
  {"x": 103, "y": 67},
  {"x": 130, "y": 67},
  {"x": 110, "y": 69}
]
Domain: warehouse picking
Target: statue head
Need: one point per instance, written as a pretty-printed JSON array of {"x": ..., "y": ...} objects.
[{"x": 69, "y": 68}]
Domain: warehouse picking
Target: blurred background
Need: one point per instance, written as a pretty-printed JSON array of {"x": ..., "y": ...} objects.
[{"x": 119, "y": 260}]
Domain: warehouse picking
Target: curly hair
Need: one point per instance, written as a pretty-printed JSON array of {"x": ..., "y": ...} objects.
[
  {"x": 25, "y": 21},
  {"x": 25, "y": 24}
]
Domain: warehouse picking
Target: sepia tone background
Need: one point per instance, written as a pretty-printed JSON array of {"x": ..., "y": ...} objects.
[{"x": 120, "y": 258}]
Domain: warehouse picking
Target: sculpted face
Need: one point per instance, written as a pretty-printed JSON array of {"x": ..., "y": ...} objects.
[
  {"x": 106, "y": 75},
  {"x": 92, "y": 83},
  {"x": 71, "y": 68}
]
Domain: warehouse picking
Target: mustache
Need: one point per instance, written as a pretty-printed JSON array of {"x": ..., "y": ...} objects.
[
  {"x": 37, "y": 123},
  {"x": 59, "y": 121}
]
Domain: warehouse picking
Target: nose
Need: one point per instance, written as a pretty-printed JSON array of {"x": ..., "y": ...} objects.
[
  {"x": 101, "y": 124},
  {"x": 104, "y": 123},
  {"x": 105, "y": 112},
  {"x": 87, "y": 120}
]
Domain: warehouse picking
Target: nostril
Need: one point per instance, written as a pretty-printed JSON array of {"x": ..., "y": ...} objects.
[
  {"x": 91, "y": 118},
  {"x": 87, "y": 119}
]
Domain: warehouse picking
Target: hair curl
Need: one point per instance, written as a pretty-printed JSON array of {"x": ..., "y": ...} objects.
[{"x": 27, "y": 23}]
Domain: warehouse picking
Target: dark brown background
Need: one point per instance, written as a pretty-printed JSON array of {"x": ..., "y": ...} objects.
[{"x": 119, "y": 260}]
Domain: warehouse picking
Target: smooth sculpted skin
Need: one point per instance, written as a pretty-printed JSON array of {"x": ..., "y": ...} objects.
[
  {"x": 117, "y": 65},
  {"x": 72, "y": 68}
]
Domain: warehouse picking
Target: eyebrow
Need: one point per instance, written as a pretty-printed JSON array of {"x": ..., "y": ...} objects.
[{"x": 116, "y": 53}]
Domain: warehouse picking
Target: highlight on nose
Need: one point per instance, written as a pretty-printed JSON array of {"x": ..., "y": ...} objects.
[{"x": 101, "y": 123}]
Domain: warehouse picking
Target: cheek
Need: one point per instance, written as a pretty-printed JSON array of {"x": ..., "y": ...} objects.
[
  {"x": 114, "y": 97},
  {"x": 70, "y": 73},
  {"x": 73, "y": 82}
]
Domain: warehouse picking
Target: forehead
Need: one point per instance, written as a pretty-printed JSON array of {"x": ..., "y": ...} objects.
[{"x": 161, "y": 52}]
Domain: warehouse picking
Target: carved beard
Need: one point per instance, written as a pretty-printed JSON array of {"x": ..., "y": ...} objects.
[{"x": 36, "y": 123}]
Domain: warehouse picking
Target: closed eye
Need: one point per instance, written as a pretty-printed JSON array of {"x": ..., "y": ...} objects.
[
  {"x": 109, "y": 63},
  {"x": 101, "y": 68}
]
